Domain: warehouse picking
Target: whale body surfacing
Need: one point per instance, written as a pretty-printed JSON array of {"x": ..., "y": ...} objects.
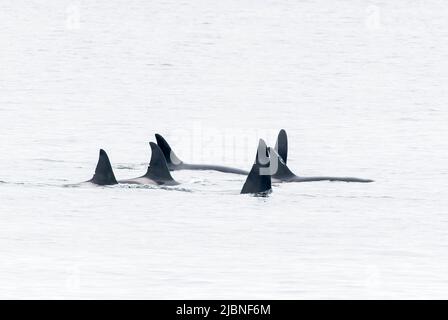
[
  {"x": 283, "y": 174},
  {"x": 157, "y": 173},
  {"x": 174, "y": 163}
]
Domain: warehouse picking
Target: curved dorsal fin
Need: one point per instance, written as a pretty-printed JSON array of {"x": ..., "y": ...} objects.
[
  {"x": 279, "y": 169},
  {"x": 170, "y": 156},
  {"x": 259, "y": 178},
  {"x": 104, "y": 175},
  {"x": 158, "y": 168},
  {"x": 281, "y": 146}
]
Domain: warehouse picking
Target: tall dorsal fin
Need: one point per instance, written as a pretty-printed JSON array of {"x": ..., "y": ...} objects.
[
  {"x": 104, "y": 175},
  {"x": 158, "y": 168},
  {"x": 170, "y": 156},
  {"x": 281, "y": 146},
  {"x": 259, "y": 178},
  {"x": 279, "y": 168}
]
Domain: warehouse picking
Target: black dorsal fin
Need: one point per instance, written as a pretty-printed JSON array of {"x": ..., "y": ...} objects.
[
  {"x": 170, "y": 156},
  {"x": 279, "y": 169},
  {"x": 281, "y": 146},
  {"x": 104, "y": 175},
  {"x": 259, "y": 178},
  {"x": 158, "y": 168}
]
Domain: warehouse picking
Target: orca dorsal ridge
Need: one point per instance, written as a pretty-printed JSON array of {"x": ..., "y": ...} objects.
[
  {"x": 281, "y": 146},
  {"x": 259, "y": 179},
  {"x": 158, "y": 168},
  {"x": 170, "y": 156},
  {"x": 104, "y": 174}
]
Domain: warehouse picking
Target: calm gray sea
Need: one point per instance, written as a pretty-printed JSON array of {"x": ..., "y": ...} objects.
[{"x": 360, "y": 87}]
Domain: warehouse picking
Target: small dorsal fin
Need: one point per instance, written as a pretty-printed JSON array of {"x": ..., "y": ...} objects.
[
  {"x": 170, "y": 156},
  {"x": 158, "y": 168},
  {"x": 259, "y": 178},
  {"x": 281, "y": 146},
  {"x": 104, "y": 175}
]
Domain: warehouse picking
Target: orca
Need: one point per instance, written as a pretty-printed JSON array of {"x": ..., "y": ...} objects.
[
  {"x": 281, "y": 172},
  {"x": 174, "y": 163},
  {"x": 258, "y": 180},
  {"x": 157, "y": 173},
  {"x": 281, "y": 145},
  {"x": 104, "y": 175}
]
